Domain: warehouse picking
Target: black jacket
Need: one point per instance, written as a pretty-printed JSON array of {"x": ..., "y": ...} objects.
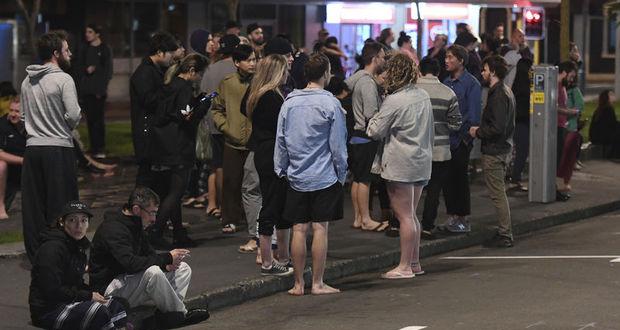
[
  {"x": 95, "y": 83},
  {"x": 120, "y": 246},
  {"x": 497, "y": 124},
  {"x": 57, "y": 273},
  {"x": 12, "y": 137},
  {"x": 521, "y": 90},
  {"x": 173, "y": 138},
  {"x": 604, "y": 126},
  {"x": 144, "y": 87}
]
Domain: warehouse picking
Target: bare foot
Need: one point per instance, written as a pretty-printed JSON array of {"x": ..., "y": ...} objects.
[
  {"x": 357, "y": 224},
  {"x": 324, "y": 289},
  {"x": 4, "y": 216},
  {"x": 297, "y": 290}
]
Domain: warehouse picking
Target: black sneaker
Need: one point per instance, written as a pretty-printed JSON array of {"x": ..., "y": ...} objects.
[
  {"x": 561, "y": 196},
  {"x": 499, "y": 242},
  {"x": 195, "y": 316},
  {"x": 277, "y": 269}
]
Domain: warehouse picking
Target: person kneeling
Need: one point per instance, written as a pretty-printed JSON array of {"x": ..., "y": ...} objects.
[
  {"x": 59, "y": 298},
  {"x": 124, "y": 264}
]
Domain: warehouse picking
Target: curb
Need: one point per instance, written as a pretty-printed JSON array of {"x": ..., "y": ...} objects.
[{"x": 258, "y": 288}]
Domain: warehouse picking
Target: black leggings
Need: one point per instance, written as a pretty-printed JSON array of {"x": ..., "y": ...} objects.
[{"x": 170, "y": 185}]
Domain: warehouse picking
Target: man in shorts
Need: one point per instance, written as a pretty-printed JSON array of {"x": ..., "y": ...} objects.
[{"x": 311, "y": 153}]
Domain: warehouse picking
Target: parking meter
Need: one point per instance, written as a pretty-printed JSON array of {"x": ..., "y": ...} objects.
[{"x": 543, "y": 133}]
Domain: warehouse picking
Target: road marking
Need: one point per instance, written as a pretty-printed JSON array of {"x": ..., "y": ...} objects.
[
  {"x": 614, "y": 258},
  {"x": 414, "y": 327}
]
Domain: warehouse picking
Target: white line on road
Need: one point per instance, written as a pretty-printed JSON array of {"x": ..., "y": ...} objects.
[
  {"x": 614, "y": 258},
  {"x": 414, "y": 327}
]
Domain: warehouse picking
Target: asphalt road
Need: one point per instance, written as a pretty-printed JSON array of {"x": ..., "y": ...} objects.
[{"x": 571, "y": 284}]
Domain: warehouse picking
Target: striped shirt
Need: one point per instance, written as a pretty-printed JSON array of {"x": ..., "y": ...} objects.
[{"x": 446, "y": 115}]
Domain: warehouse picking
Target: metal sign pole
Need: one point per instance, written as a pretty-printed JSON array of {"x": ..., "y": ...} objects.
[{"x": 543, "y": 134}]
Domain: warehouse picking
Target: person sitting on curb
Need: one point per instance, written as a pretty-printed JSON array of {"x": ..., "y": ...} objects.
[
  {"x": 59, "y": 298},
  {"x": 123, "y": 264},
  {"x": 12, "y": 147}
]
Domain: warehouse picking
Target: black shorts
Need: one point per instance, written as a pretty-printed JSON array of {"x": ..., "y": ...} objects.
[
  {"x": 217, "y": 147},
  {"x": 314, "y": 206},
  {"x": 361, "y": 158}
]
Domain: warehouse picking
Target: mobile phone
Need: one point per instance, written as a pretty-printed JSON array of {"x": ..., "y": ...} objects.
[{"x": 209, "y": 97}]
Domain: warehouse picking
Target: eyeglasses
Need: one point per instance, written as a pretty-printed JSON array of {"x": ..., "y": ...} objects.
[{"x": 151, "y": 213}]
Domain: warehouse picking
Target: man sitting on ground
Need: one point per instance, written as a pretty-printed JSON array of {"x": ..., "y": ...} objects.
[
  {"x": 123, "y": 264},
  {"x": 12, "y": 148}
]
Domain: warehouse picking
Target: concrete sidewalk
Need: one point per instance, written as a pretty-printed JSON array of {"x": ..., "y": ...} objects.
[{"x": 223, "y": 277}]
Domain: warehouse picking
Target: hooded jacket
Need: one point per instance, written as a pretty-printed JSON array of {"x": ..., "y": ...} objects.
[
  {"x": 57, "y": 273},
  {"x": 173, "y": 138},
  {"x": 50, "y": 106},
  {"x": 120, "y": 246},
  {"x": 366, "y": 99}
]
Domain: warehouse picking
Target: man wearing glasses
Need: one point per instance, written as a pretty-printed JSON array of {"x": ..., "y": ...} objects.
[{"x": 123, "y": 264}]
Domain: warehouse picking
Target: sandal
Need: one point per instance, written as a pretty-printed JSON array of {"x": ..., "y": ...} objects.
[
  {"x": 229, "y": 229},
  {"x": 215, "y": 212},
  {"x": 382, "y": 226},
  {"x": 249, "y": 247},
  {"x": 394, "y": 275}
]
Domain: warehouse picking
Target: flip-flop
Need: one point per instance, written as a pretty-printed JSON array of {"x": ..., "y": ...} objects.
[
  {"x": 356, "y": 227},
  {"x": 419, "y": 273},
  {"x": 382, "y": 226},
  {"x": 392, "y": 275}
]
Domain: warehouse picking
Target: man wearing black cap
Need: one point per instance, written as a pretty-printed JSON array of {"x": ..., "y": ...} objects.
[
  {"x": 123, "y": 264},
  {"x": 232, "y": 27},
  {"x": 256, "y": 38}
]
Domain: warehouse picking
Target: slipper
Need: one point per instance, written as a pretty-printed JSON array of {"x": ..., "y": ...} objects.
[
  {"x": 393, "y": 275},
  {"x": 229, "y": 229},
  {"x": 189, "y": 201},
  {"x": 419, "y": 273}
]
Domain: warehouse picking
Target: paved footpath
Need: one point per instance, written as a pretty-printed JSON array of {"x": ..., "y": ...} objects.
[{"x": 223, "y": 277}]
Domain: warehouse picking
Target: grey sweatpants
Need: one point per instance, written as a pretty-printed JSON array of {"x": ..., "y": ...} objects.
[
  {"x": 165, "y": 290},
  {"x": 250, "y": 194}
]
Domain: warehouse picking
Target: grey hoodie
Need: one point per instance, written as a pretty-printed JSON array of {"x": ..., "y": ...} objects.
[
  {"x": 50, "y": 106},
  {"x": 366, "y": 99}
]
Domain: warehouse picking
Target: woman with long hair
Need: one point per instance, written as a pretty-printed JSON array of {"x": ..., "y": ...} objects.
[
  {"x": 173, "y": 144},
  {"x": 405, "y": 45},
  {"x": 405, "y": 125},
  {"x": 262, "y": 106}
]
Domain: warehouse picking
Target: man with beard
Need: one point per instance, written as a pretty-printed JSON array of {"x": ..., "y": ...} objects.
[
  {"x": 51, "y": 111},
  {"x": 257, "y": 39},
  {"x": 496, "y": 129}
]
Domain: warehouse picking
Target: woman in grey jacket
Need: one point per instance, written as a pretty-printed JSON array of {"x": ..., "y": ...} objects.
[{"x": 405, "y": 124}]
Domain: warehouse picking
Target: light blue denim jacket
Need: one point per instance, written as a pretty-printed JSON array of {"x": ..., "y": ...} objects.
[{"x": 311, "y": 148}]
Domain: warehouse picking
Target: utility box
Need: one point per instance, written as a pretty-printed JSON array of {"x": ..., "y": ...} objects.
[{"x": 543, "y": 133}]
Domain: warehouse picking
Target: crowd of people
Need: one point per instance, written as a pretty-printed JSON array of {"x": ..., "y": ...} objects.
[{"x": 263, "y": 136}]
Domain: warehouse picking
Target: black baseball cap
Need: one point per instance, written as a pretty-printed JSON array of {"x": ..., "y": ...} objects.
[{"x": 75, "y": 207}]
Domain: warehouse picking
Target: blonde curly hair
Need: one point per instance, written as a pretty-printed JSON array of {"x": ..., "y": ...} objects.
[{"x": 400, "y": 71}]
